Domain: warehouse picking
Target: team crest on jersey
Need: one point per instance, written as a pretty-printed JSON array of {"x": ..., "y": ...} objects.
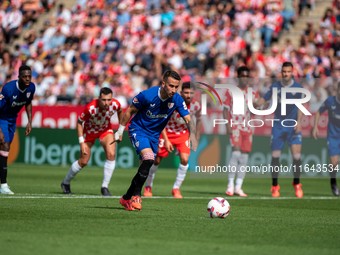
[
  {"x": 170, "y": 105},
  {"x": 137, "y": 144},
  {"x": 1, "y": 96},
  {"x": 28, "y": 94},
  {"x": 135, "y": 100}
]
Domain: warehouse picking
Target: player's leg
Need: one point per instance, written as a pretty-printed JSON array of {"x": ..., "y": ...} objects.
[
  {"x": 236, "y": 143},
  {"x": 110, "y": 163},
  {"x": 294, "y": 141},
  {"x": 334, "y": 161},
  {"x": 151, "y": 176},
  {"x": 76, "y": 167},
  {"x": 8, "y": 132}
]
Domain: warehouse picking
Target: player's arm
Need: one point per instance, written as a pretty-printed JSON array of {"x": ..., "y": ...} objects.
[
  {"x": 80, "y": 132},
  {"x": 198, "y": 129},
  {"x": 126, "y": 118},
  {"x": 120, "y": 115},
  {"x": 315, "y": 128},
  {"x": 2, "y": 104},
  {"x": 261, "y": 101},
  {"x": 28, "y": 108},
  {"x": 298, "y": 127},
  {"x": 192, "y": 130},
  {"x": 167, "y": 144},
  {"x": 225, "y": 116}
]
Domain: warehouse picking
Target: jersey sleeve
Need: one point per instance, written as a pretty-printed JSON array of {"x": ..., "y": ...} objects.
[
  {"x": 269, "y": 93},
  {"x": 140, "y": 101},
  {"x": 3, "y": 97},
  {"x": 324, "y": 106},
  {"x": 85, "y": 115},
  {"x": 117, "y": 106},
  {"x": 181, "y": 107},
  {"x": 227, "y": 100}
]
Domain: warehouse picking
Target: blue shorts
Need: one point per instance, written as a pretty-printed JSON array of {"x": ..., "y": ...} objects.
[
  {"x": 333, "y": 145},
  {"x": 8, "y": 129},
  {"x": 143, "y": 141},
  {"x": 281, "y": 134}
]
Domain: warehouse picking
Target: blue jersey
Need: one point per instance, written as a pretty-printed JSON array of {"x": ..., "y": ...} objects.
[
  {"x": 12, "y": 99},
  {"x": 154, "y": 112},
  {"x": 333, "y": 106},
  {"x": 291, "y": 109}
]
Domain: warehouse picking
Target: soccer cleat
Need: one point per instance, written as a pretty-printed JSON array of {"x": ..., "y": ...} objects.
[
  {"x": 239, "y": 192},
  {"x": 275, "y": 191},
  {"x": 298, "y": 190},
  {"x": 105, "y": 192},
  {"x": 147, "y": 192},
  {"x": 127, "y": 204},
  {"x": 136, "y": 202},
  {"x": 335, "y": 189},
  {"x": 230, "y": 190},
  {"x": 66, "y": 188},
  {"x": 176, "y": 193},
  {"x": 6, "y": 190}
]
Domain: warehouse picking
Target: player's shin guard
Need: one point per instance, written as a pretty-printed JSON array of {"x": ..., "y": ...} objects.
[
  {"x": 75, "y": 168},
  {"x": 181, "y": 172},
  {"x": 241, "y": 174},
  {"x": 109, "y": 166},
  {"x": 297, "y": 170},
  {"x": 275, "y": 164},
  {"x": 3, "y": 166},
  {"x": 138, "y": 181},
  {"x": 235, "y": 155},
  {"x": 151, "y": 176}
]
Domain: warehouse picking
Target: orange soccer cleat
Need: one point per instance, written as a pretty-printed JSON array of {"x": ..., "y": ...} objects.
[
  {"x": 136, "y": 202},
  {"x": 275, "y": 191},
  {"x": 147, "y": 192},
  {"x": 127, "y": 204},
  {"x": 240, "y": 192},
  {"x": 176, "y": 193},
  {"x": 230, "y": 190},
  {"x": 298, "y": 190}
]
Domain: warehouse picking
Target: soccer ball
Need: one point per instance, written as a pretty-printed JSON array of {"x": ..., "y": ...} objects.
[{"x": 218, "y": 207}]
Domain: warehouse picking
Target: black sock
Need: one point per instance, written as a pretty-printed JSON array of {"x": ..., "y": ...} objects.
[
  {"x": 297, "y": 170},
  {"x": 275, "y": 170},
  {"x": 138, "y": 180},
  {"x": 3, "y": 169},
  {"x": 333, "y": 181},
  {"x": 333, "y": 175}
]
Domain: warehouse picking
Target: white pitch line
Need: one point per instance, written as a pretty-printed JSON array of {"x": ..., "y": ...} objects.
[{"x": 30, "y": 196}]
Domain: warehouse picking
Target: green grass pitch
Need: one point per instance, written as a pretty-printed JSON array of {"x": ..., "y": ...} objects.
[{"x": 39, "y": 219}]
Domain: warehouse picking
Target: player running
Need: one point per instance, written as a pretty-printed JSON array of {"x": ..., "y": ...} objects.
[
  {"x": 14, "y": 95},
  {"x": 240, "y": 135},
  {"x": 281, "y": 134},
  {"x": 151, "y": 110},
  {"x": 96, "y": 121},
  {"x": 176, "y": 134},
  {"x": 332, "y": 105}
]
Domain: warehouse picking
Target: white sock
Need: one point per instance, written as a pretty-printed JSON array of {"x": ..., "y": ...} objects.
[
  {"x": 75, "y": 168},
  {"x": 151, "y": 176},
  {"x": 241, "y": 174},
  {"x": 231, "y": 181},
  {"x": 109, "y": 166},
  {"x": 233, "y": 164},
  {"x": 4, "y": 185},
  {"x": 181, "y": 172}
]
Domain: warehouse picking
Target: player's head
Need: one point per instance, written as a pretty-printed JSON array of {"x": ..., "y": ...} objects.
[
  {"x": 25, "y": 75},
  {"x": 287, "y": 72},
  {"x": 243, "y": 75},
  {"x": 105, "y": 98},
  {"x": 188, "y": 91},
  {"x": 170, "y": 83}
]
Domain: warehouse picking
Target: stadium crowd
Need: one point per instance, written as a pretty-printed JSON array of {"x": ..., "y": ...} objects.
[{"x": 127, "y": 45}]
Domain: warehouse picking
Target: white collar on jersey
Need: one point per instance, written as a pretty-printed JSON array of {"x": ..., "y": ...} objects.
[
  {"x": 287, "y": 85},
  {"x": 17, "y": 84},
  {"x": 159, "y": 95}
]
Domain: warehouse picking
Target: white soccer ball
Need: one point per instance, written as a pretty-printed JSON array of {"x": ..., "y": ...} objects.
[{"x": 218, "y": 207}]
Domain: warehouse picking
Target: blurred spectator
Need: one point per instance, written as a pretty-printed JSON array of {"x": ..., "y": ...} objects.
[
  {"x": 289, "y": 12},
  {"x": 11, "y": 23}
]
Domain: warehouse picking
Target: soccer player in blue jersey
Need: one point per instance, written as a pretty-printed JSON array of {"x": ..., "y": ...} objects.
[
  {"x": 332, "y": 105},
  {"x": 151, "y": 110},
  {"x": 281, "y": 134},
  {"x": 14, "y": 95}
]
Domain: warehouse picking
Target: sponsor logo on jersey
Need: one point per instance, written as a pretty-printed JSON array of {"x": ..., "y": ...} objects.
[
  {"x": 1, "y": 96},
  {"x": 135, "y": 100},
  {"x": 333, "y": 107},
  {"x": 18, "y": 104},
  {"x": 152, "y": 105},
  {"x": 151, "y": 115},
  {"x": 14, "y": 97},
  {"x": 28, "y": 94},
  {"x": 170, "y": 105}
]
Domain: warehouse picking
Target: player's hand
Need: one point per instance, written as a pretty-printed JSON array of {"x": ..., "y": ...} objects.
[
  {"x": 168, "y": 146},
  {"x": 117, "y": 138},
  {"x": 194, "y": 143},
  {"x": 28, "y": 129},
  {"x": 83, "y": 148},
  {"x": 315, "y": 133},
  {"x": 2, "y": 138},
  {"x": 297, "y": 128}
]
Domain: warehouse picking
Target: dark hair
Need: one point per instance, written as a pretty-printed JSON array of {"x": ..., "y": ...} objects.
[
  {"x": 287, "y": 64},
  {"x": 105, "y": 91},
  {"x": 172, "y": 74},
  {"x": 24, "y": 68},
  {"x": 188, "y": 85},
  {"x": 242, "y": 69}
]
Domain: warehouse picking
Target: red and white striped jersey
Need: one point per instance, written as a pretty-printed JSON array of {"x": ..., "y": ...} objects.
[
  {"x": 177, "y": 125},
  {"x": 258, "y": 19},
  {"x": 276, "y": 19},
  {"x": 96, "y": 119},
  {"x": 243, "y": 19},
  {"x": 274, "y": 63},
  {"x": 181, "y": 19},
  {"x": 241, "y": 119}
]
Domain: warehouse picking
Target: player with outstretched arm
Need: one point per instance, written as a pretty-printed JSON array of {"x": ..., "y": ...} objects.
[{"x": 151, "y": 110}]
